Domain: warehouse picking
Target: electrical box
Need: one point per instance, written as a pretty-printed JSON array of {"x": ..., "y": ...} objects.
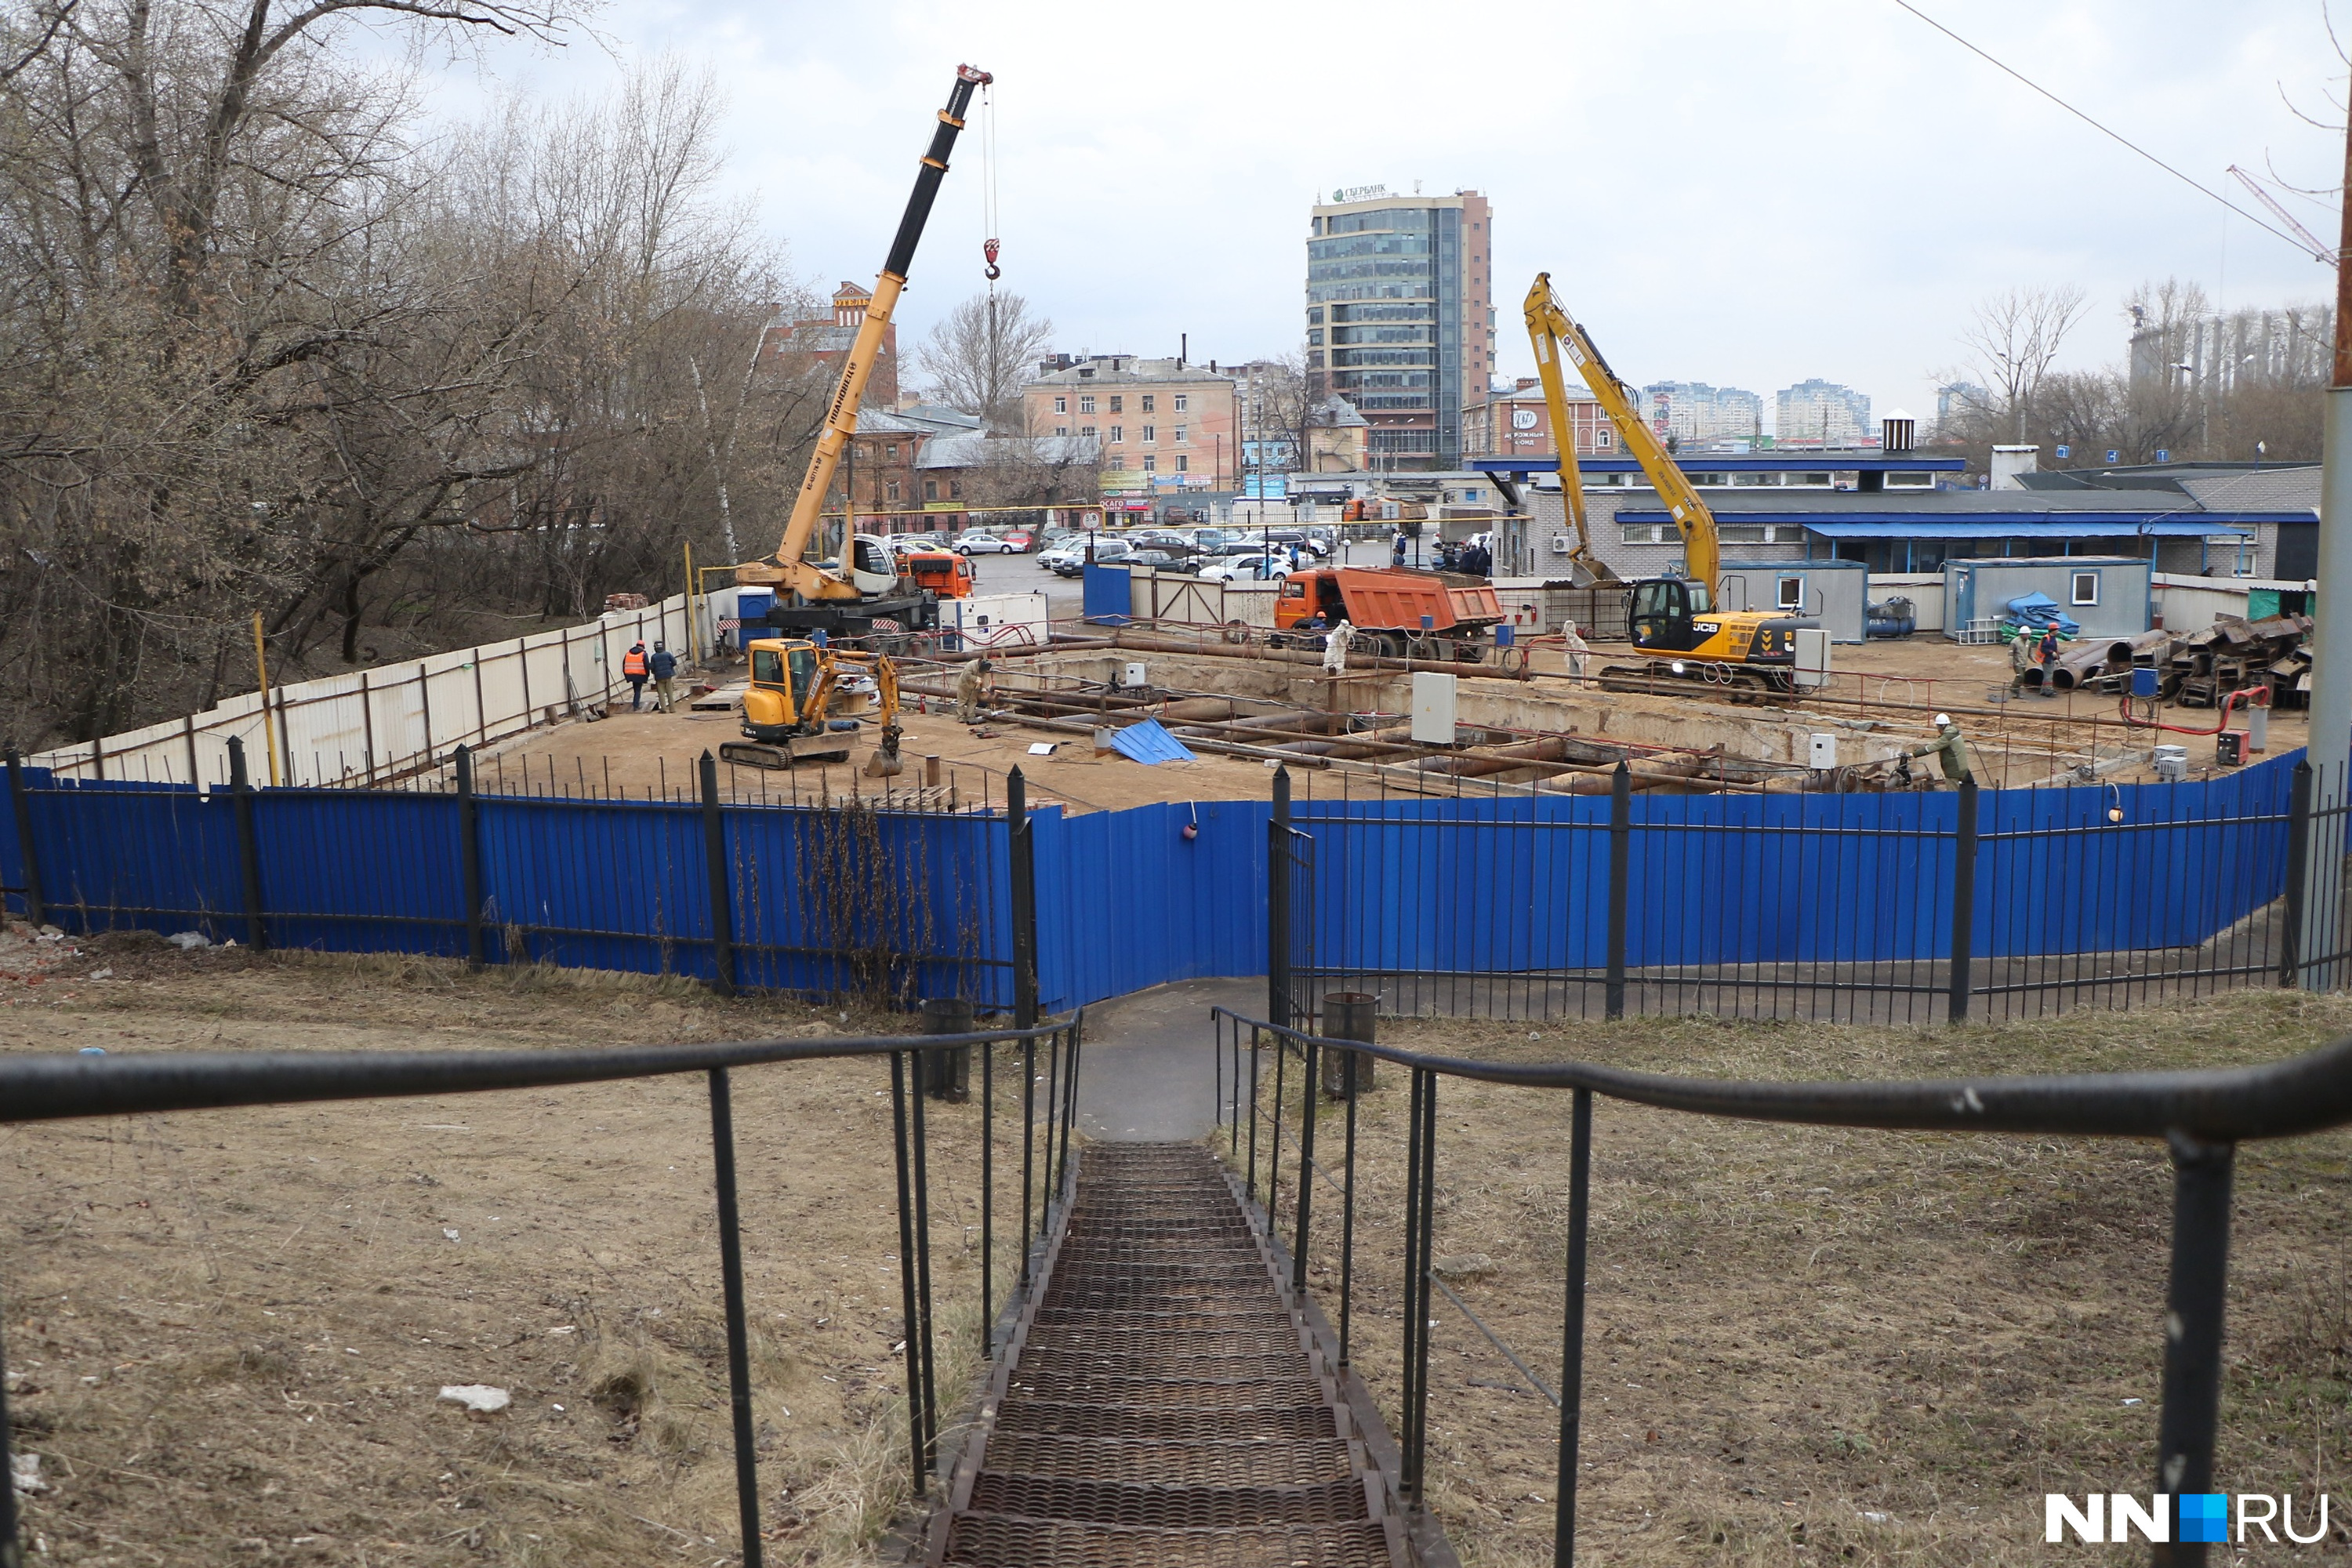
[
  {"x": 1825, "y": 751},
  {"x": 1813, "y": 658},
  {"x": 1433, "y": 708},
  {"x": 2143, "y": 683},
  {"x": 1136, "y": 675}
]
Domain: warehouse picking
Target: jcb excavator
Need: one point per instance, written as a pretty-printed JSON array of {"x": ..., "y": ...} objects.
[
  {"x": 788, "y": 709},
  {"x": 1676, "y": 617},
  {"x": 867, "y": 586}
]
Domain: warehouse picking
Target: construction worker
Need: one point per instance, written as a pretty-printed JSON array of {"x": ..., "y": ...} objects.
[
  {"x": 2050, "y": 649},
  {"x": 1335, "y": 648},
  {"x": 635, "y": 668},
  {"x": 1575, "y": 649},
  {"x": 1396, "y": 551},
  {"x": 1951, "y": 751},
  {"x": 663, "y": 664},
  {"x": 972, "y": 690},
  {"x": 2024, "y": 653}
]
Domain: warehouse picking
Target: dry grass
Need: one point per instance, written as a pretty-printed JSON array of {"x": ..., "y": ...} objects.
[
  {"x": 226, "y": 1330},
  {"x": 1808, "y": 1345}
]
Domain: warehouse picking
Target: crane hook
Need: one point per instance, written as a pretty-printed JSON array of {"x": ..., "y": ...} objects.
[{"x": 988, "y": 248}]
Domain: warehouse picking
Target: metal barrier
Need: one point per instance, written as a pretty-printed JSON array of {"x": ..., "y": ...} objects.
[
  {"x": 1909, "y": 908},
  {"x": 2202, "y": 1117},
  {"x": 49, "y": 1088}
]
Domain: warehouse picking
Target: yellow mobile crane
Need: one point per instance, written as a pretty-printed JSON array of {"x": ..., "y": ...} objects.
[
  {"x": 867, "y": 585},
  {"x": 1673, "y": 617}
]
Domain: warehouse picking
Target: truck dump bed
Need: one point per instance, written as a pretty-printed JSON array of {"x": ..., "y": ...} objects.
[{"x": 1394, "y": 599}]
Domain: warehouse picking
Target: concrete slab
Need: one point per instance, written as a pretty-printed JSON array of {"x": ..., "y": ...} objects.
[{"x": 1150, "y": 1073}]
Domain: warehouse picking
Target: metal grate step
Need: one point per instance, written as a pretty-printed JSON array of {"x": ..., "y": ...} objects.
[
  {"x": 1165, "y": 1411},
  {"x": 1288, "y": 1463},
  {"x": 997, "y": 1541}
]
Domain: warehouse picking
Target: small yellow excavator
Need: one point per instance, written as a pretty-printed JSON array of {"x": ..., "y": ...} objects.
[
  {"x": 789, "y": 707},
  {"x": 1746, "y": 652}
]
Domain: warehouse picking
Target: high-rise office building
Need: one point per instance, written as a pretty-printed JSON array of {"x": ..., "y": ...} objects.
[{"x": 1400, "y": 316}]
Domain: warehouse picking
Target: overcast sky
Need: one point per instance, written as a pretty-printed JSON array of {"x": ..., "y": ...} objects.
[{"x": 1724, "y": 192}]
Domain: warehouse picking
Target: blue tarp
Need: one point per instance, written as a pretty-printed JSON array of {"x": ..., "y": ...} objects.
[
  {"x": 2040, "y": 611},
  {"x": 1149, "y": 743}
]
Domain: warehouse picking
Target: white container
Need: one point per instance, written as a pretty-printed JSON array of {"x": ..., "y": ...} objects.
[
  {"x": 1825, "y": 751},
  {"x": 2172, "y": 763}
]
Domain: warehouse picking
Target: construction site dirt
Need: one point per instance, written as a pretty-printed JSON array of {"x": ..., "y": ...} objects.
[{"x": 1243, "y": 708}]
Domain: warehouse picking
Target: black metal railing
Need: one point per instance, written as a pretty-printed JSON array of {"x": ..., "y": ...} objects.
[
  {"x": 48, "y": 1087},
  {"x": 2201, "y": 1116},
  {"x": 1921, "y": 909}
]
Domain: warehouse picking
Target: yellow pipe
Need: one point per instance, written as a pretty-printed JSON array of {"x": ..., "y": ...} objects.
[{"x": 268, "y": 735}]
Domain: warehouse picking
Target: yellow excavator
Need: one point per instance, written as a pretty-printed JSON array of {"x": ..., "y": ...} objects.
[
  {"x": 1678, "y": 619},
  {"x": 789, "y": 709},
  {"x": 866, "y": 587}
]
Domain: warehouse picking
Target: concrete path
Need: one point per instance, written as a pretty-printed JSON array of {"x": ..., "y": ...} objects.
[{"x": 1150, "y": 1073}]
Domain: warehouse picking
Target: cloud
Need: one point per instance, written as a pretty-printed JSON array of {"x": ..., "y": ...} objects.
[{"x": 1741, "y": 195}]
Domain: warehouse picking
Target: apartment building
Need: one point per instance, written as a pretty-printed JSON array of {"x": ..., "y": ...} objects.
[{"x": 1161, "y": 424}]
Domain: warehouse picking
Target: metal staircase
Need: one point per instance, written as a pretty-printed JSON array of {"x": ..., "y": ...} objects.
[{"x": 1160, "y": 1404}]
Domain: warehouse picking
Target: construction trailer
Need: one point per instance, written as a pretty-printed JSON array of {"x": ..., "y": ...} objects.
[
  {"x": 2107, "y": 595},
  {"x": 1833, "y": 593}
]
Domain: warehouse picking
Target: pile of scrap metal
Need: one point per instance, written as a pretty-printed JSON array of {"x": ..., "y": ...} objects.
[{"x": 2196, "y": 669}]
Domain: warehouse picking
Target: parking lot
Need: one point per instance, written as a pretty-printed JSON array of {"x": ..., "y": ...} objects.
[{"x": 1023, "y": 574}]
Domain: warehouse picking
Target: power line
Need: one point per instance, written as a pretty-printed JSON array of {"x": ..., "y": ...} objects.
[{"x": 2113, "y": 135}]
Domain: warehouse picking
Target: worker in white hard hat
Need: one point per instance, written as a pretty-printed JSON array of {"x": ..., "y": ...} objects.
[
  {"x": 1951, "y": 751},
  {"x": 1579, "y": 652}
]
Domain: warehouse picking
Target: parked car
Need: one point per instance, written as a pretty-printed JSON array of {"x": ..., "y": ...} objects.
[
  {"x": 979, "y": 541},
  {"x": 1020, "y": 540},
  {"x": 1163, "y": 560},
  {"x": 1284, "y": 538},
  {"x": 1246, "y": 569},
  {"x": 1213, "y": 540},
  {"x": 1069, "y": 559},
  {"x": 1161, "y": 539}
]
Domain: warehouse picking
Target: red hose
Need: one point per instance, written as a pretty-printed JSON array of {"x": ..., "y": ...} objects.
[{"x": 2219, "y": 724}]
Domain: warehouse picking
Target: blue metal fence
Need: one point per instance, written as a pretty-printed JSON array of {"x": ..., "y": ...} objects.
[{"x": 1767, "y": 893}]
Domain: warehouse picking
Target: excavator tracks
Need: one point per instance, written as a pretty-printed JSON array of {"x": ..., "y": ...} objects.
[{"x": 1160, "y": 1406}]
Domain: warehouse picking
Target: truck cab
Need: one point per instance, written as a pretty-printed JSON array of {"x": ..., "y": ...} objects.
[{"x": 944, "y": 572}]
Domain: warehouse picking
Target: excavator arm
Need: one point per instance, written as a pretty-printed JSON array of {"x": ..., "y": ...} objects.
[
  {"x": 790, "y": 570},
  {"x": 1557, "y": 334},
  {"x": 1542, "y": 332}
]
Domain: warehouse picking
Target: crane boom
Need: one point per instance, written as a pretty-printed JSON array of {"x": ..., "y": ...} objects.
[
  {"x": 790, "y": 570},
  {"x": 1555, "y": 333}
]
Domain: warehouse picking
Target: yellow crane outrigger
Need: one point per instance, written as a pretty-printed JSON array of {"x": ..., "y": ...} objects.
[
  {"x": 1745, "y": 650},
  {"x": 866, "y": 573}
]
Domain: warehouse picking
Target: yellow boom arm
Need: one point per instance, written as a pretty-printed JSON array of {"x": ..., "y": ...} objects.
[
  {"x": 1556, "y": 334},
  {"x": 809, "y": 581},
  {"x": 1563, "y": 435}
]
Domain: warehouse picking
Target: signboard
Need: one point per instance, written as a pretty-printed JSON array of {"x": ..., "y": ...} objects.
[
  {"x": 1359, "y": 193},
  {"x": 1523, "y": 418},
  {"x": 2164, "y": 454},
  {"x": 2064, "y": 450},
  {"x": 2114, "y": 455}
]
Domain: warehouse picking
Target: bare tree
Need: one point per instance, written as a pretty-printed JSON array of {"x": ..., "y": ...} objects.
[
  {"x": 264, "y": 344},
  {"x": 980, "y": 352},
  {"x": 2015, "y": 335}
]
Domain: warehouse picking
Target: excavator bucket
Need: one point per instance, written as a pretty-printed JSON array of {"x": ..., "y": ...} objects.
[{"x": 886, "y": 761}]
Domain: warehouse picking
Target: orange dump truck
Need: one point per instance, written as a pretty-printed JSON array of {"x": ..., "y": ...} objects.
[{"x": 1396, "y": 612}]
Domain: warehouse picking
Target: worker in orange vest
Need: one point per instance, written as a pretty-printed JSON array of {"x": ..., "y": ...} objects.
[{"x": 633, "y": 669}]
